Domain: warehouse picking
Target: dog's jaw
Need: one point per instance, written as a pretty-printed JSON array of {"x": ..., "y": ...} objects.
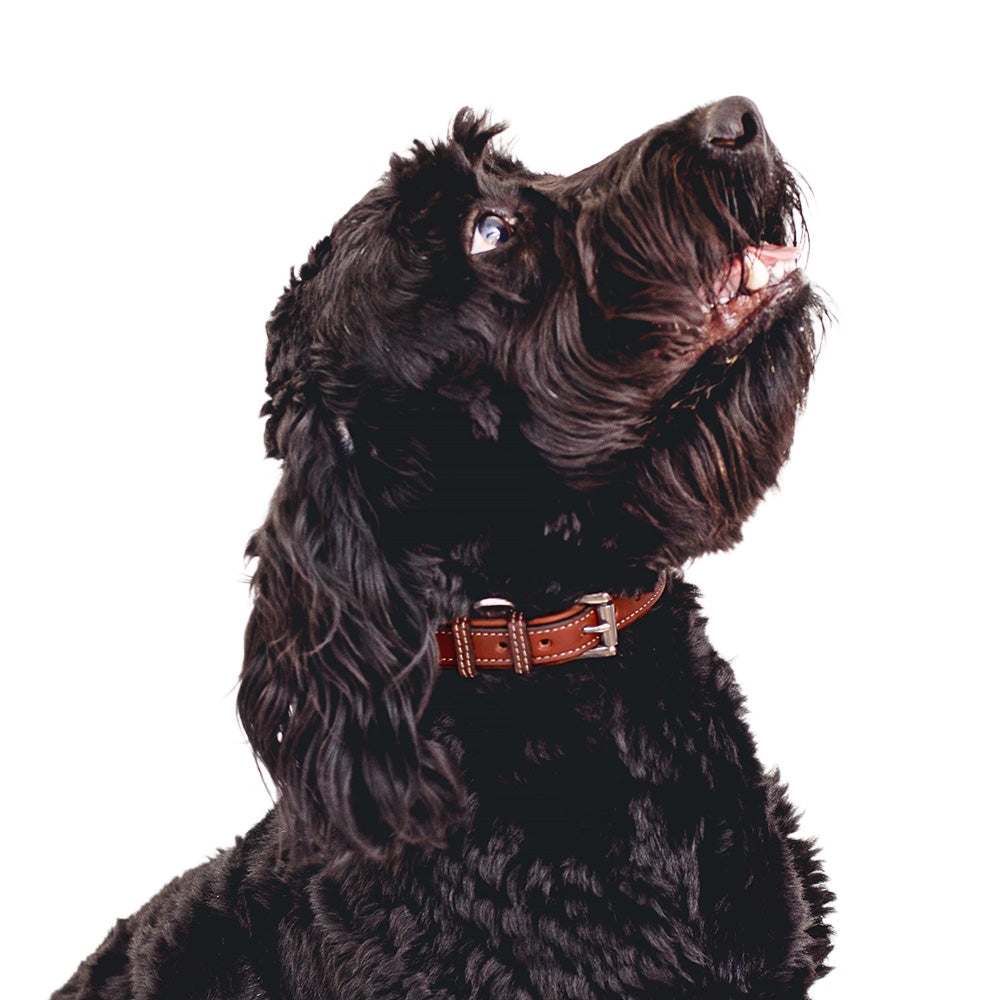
[{"x": 749, "y": 293}]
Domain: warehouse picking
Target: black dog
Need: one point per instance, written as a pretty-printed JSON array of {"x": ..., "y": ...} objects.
[{"x": 493, "y": 384}]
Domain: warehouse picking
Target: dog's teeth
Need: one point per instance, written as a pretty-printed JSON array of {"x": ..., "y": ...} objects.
[{"x": 758, "y": 274}]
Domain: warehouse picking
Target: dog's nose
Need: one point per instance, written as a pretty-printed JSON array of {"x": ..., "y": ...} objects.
[{"x": 733, "y": 123}]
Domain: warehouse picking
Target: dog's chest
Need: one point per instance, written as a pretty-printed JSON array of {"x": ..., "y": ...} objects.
[{"x": 620, "y": 841}]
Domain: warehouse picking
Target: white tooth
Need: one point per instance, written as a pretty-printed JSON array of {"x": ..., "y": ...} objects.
[{"x": 757, "y": 274}]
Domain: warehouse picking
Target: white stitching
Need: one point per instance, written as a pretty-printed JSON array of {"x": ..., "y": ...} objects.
[
  {"x": 568, "y": 652},
  {"x": 632, "y": 615},
  {"x": 574, "y": 621},
  {"x": 465, "y": 656},
  {"x": 517, "y": 630}
]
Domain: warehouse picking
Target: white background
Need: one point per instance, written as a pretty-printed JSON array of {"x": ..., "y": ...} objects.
[{"x": 166, "y": 165}]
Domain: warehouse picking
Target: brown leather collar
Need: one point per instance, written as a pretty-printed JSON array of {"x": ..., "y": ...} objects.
[{"x": 587, "y": 629}]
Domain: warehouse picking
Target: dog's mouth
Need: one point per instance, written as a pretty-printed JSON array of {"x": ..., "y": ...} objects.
[
  {"x": 754, "y": 282},
  {"x": 739, "y": 304}
]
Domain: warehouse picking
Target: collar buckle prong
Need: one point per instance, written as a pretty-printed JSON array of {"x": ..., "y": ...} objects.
[{"x": 606, "y": 628}]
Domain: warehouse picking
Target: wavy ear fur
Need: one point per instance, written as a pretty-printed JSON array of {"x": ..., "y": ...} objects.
[{"x": 340, "y": 654}]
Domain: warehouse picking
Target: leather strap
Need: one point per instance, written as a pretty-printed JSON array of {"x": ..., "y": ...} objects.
[{"x": 588, "y": 629}]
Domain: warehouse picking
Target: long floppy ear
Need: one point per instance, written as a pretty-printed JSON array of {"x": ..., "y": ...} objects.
[{"x": 340, "y": 655}]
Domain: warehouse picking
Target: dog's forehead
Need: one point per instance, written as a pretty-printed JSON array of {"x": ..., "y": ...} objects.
[
  {"x": 603, "y": 176},
  {"x": 512, "y": 186}
]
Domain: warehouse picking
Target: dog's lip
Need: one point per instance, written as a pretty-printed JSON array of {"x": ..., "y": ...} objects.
[
  {"x": 743, "y": 297},
  {"x": 729, "y": 319}
]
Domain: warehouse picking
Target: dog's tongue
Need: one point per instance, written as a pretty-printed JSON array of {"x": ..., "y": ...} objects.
[{"x": 771, "y": 253}]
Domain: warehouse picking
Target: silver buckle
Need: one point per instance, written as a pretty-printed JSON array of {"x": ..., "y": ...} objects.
[{"x": 606, "y": 628}]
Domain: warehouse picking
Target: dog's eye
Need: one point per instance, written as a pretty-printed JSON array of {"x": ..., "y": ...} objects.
[{"x": 489, "y": 233}]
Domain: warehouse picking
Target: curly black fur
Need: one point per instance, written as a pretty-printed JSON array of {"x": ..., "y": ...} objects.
[{"x": 554, "y": 416}]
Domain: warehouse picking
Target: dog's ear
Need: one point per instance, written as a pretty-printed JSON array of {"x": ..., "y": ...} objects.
[
  {"x": 340, "y": 654},
  {"x": 290, "y": 340},
  {"x": 473, "y": 133},
  {"x": 417, "y": 178}
]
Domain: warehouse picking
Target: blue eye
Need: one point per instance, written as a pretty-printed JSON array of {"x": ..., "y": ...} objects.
[{"x": 489, "y": 233}]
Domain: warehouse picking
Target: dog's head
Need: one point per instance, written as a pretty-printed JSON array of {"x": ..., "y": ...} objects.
[{"x": 488, "y": 381}]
